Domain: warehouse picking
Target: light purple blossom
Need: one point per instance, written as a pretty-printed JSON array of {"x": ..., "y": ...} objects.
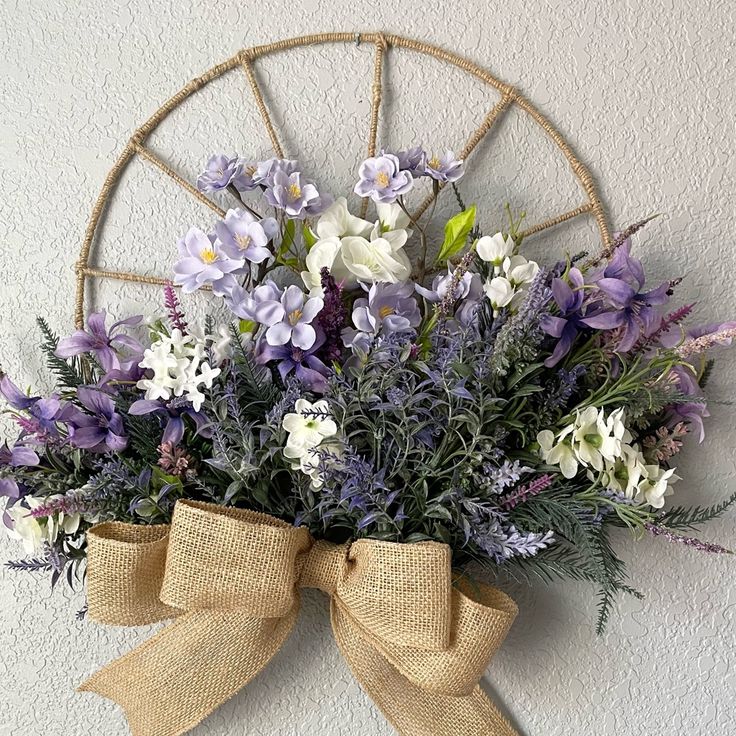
[
  {"x": 389, "y": 308},
  {"x": 204, "y": 260},
  {"x": 297, "y": 197},
  {"x": 307, "y": 367},
  {"x": 102, "y": 344},
  {"x": 445, "y": 168},
  {"x": 414, "y": 160},
  {"x": 294, "y": 322},
  {"x": 266, "y": 170},
  {"x": 218, "y": 173},
  {"x": 242, "y": 236},
  {"x": 381, "y": 179},
  {"x": 262, "y": 305},
  {"x": 100, "y": 430},
  {"x": 245, "y": 178}
]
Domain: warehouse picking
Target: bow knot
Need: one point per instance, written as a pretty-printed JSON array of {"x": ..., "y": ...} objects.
[{"x": 231, "y": 578}]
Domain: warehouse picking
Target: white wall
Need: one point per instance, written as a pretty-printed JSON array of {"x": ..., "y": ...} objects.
[{"x": 646, "y": 93}]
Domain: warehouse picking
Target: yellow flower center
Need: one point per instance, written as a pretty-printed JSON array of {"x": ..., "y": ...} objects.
[
  {"x": 434, "y": 163},
  {"x": 250, "y": 170},
  {"x": 382, "y": 179},
  {"x": 295, "y": 316},
  {"x": 295, "y": 191},
  {"x": 208, "y": 255},
  {"x": 386, "y": 311},
  {"x": 243, "y": 241}
]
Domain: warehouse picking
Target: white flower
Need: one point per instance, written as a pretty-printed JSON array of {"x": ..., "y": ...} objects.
[
  {"x": 392, "y": 216},
  {"x": 353, "y": 248},
  {"x": 656, "y": 485},
  {"x": 309, "y": 462},
  {"x": 559, "y": 452},
  {"x": 221, "y": 344},
  {"x": 592, "y": 439},
  {"x": 625, "y": 474},
  {"x": 520, "y": 271},
  {"x": 500, "y": 291},
  {"x": 178, "y": 369},
  {"x": 25, "y": 529},
  {"x": 307, "y": 427},
  {"x": 379, "y": 259},
  {"x": 337, "y": 222},
  {"x": 494, "y": 249}
]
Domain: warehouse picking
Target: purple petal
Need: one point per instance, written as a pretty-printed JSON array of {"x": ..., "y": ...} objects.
[
  {"x": 144, "y": 406},
  {"x": 278, "y": 334},
  {"x": 96, "y": 324},
  {"x": 80, "y": 342},
  {"x": 553, "y": 325},
  {"x": 88, "y": 437},
  {"x": 14, "y": 396},
  {"x": 617, "y": 290},
  {"x": 21, "y": 455},
  {"x": 605, "y": 320},
  {"x": 174, "y": 430},
  {"x": 96, "y": 401},
  {"x": 303, "y": 336},
  {"x": 563, "y": 294}
]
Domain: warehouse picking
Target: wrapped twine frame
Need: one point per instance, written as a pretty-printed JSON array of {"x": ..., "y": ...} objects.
[{"x": 245, "y": 60}]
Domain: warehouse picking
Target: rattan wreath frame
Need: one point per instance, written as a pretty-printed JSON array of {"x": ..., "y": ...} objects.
[{"x": 245, "y": 59}]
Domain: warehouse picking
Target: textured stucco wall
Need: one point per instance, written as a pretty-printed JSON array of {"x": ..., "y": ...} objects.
[{"x": 647, "y": 94}]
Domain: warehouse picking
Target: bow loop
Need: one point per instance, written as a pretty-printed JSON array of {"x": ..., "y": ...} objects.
[
  {"x": 225, "y": 558},
  {"x": 400, "y": 593}
]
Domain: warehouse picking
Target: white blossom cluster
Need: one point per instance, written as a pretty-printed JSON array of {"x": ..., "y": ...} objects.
[
  {"x": 179, "y": 368},
  {"x": 308, "y": 427},
  {"x": 604, "y": 446},
  {"x": 511, "y": 273}
]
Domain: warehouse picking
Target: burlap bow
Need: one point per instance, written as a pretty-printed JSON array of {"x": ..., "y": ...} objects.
[{"x": 417, "y": 644}]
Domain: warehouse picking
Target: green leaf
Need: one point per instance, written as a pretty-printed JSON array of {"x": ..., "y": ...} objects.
[
  {"x": 457, "y": 229},
  {"x": 287, "y": 241},
  {"x": 309, "y": 237},
  {"x": 246, "y": 325}
]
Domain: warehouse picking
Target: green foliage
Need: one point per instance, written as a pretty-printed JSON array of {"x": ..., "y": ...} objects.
[
  {"x": 69, "y": 374},
  {"x": 683, "y": 517},
  {"x": 457, "y": 229}
]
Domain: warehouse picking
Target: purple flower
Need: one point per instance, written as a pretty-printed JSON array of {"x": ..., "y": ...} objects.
[
  {"x": 245, "y": 178},
  {"x": 445, "y": 168},
  {"x": 102, "y": 429},
  {"x": 102, "y": 344},
  {"x": 622, "y": 266},
  {"x": 243, "y": 236},
  {"x": 569, "y": 300},
  {"x": 294, "y": 322},
  {"x": 692, "y": 414},
  {"x": 414, "y": 160},
  {"x": 298, "y": 198},
  {"x": 204, "y": 261},
  {"x": 266, "y": 170},
  {"x": 635, "y": 313},
  {"x": 174, "y": 413},
  {"x": 44, "y": 412},
  {"x": 262, "y": 305},
  {"x": 18, "y": 456},
  {"x": 307, "y": 367},
  {"x": 389, "y": 308},
  {"x": 218, "y": 173},
  {"x": 382, "y": 180}
]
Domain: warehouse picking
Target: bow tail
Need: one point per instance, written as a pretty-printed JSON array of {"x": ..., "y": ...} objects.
[
  {"x": 173, "y": 681},
  {"x": 411, "y": 709}
]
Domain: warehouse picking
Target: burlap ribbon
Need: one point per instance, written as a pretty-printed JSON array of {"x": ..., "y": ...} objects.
[{"x": 417, "y": 644}]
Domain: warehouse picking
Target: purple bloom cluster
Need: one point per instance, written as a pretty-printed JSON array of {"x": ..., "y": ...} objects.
[{"x": 389, "y": 176}]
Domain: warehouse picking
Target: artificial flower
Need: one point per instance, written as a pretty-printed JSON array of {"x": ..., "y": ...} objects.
[
  {"x": 445, "y": 168},
  {"x": 381, "y": 179},
  {"x": 243, "y": 237},
  {"x": 204, "y": 260}
]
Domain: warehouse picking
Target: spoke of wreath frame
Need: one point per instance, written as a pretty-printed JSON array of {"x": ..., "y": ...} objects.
[
  {"x": 480, "y": 133},
  {"x": 151, "y": 157},
  {"x": 247, "y": 64},
  {"x": 376, "y": 95},
  {"x": 558, "y": 219}
]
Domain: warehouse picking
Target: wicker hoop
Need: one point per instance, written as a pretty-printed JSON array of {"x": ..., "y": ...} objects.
[{"x": 245, "y": 60}]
